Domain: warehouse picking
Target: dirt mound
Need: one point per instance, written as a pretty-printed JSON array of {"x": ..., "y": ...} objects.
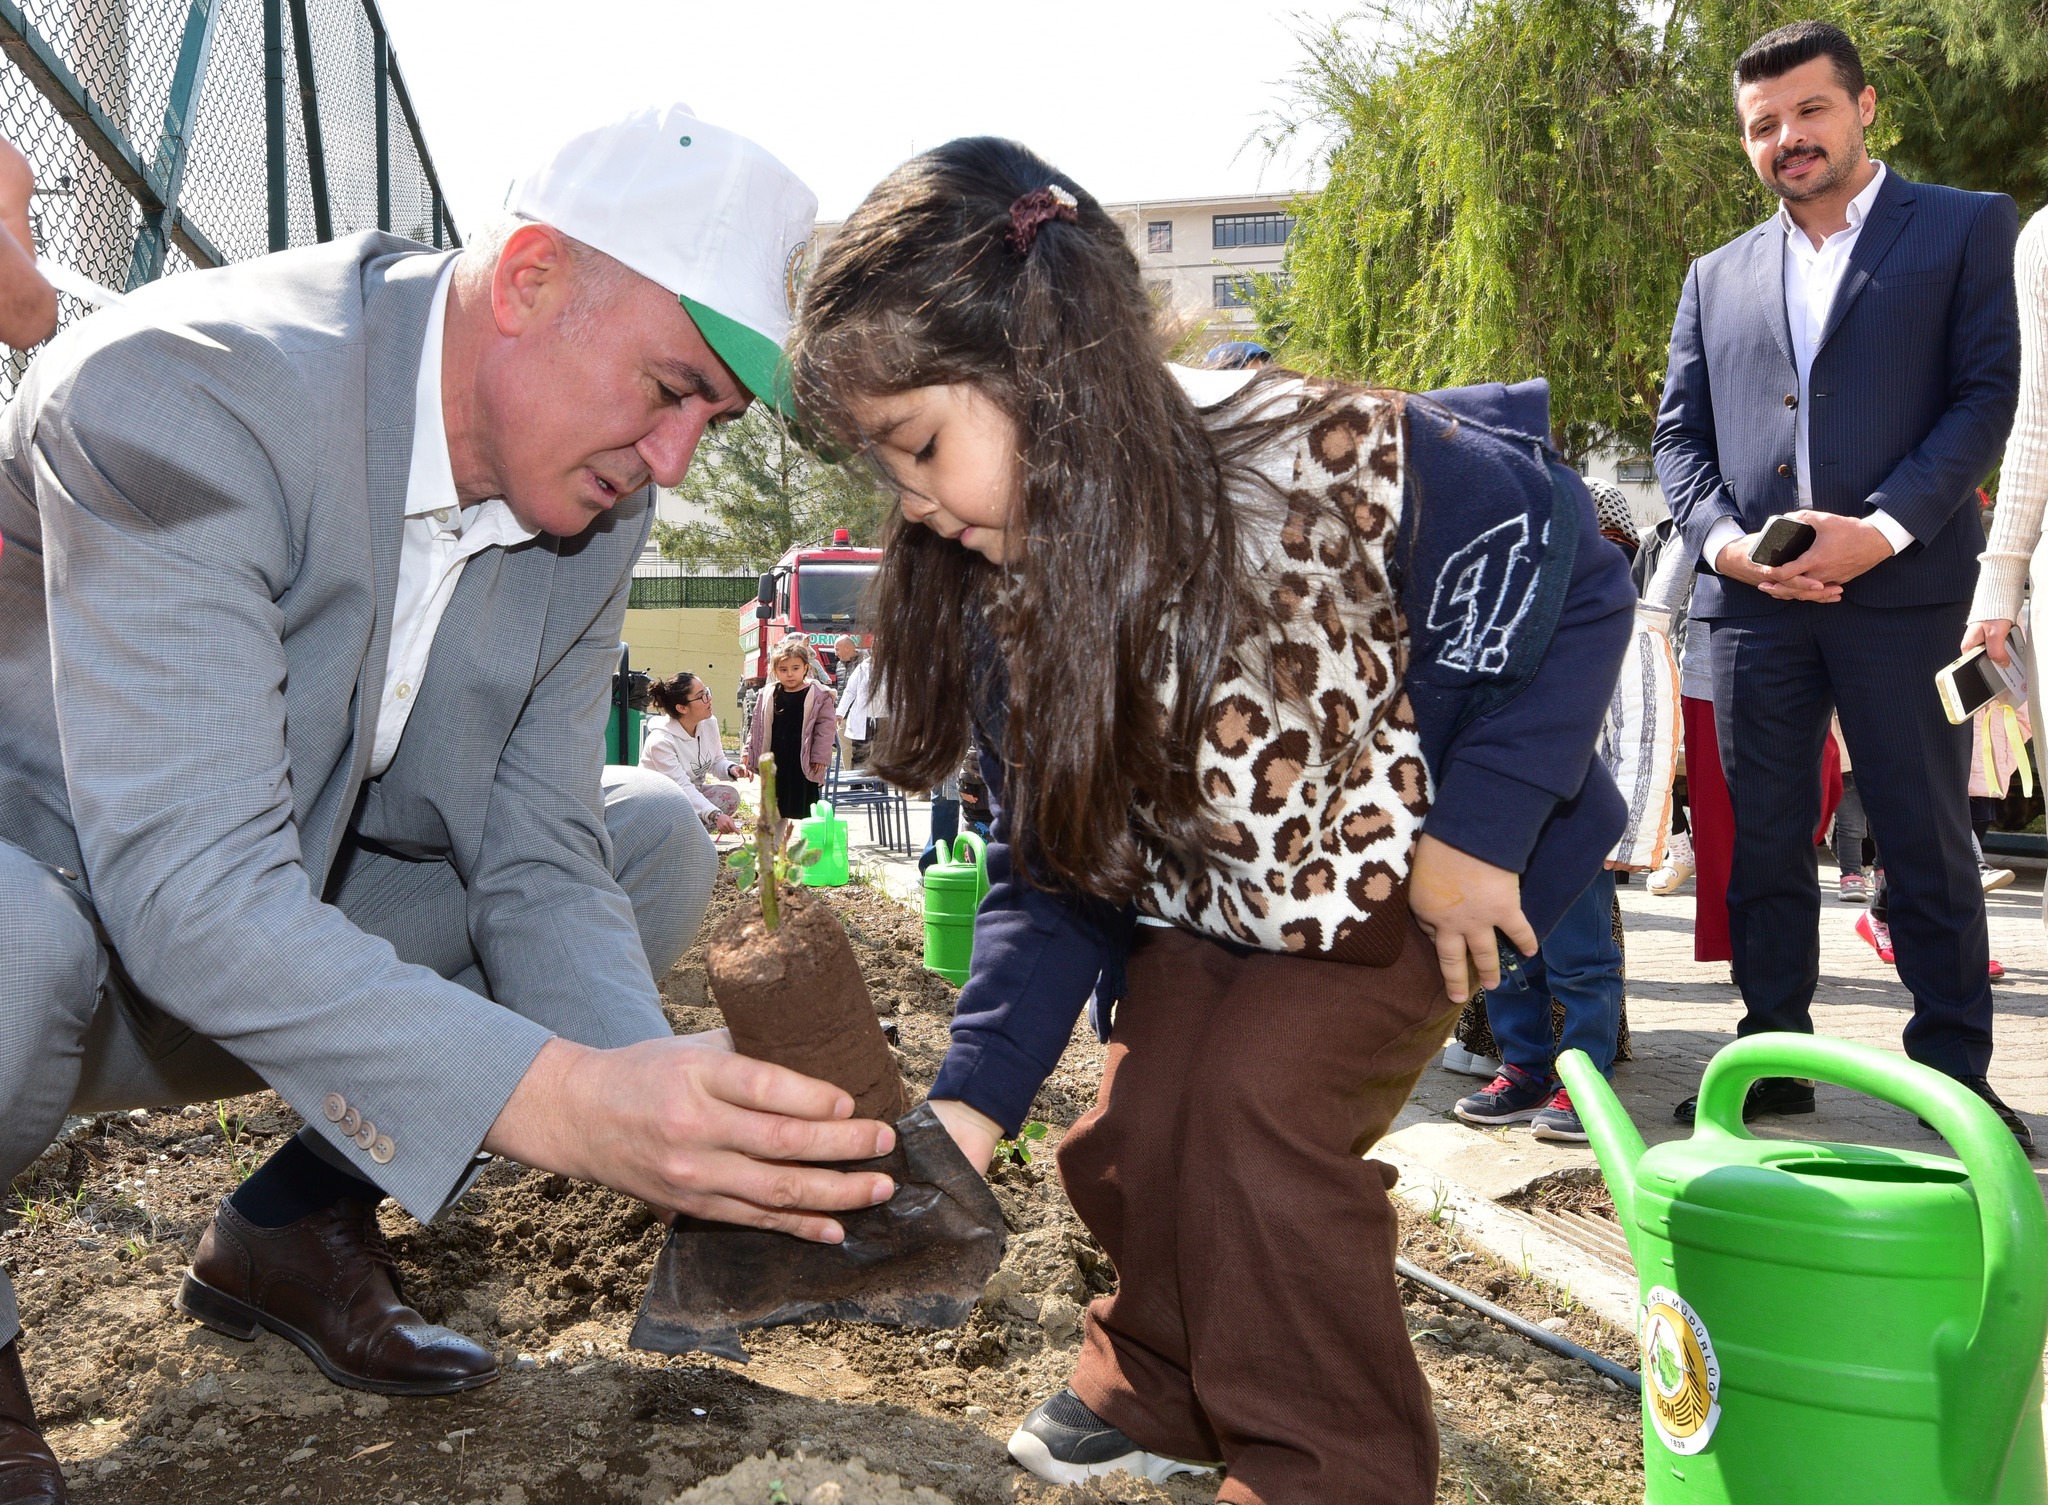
[
  {"x": 770, "y": 1481},
  {"x": 148, "y": 1409}
]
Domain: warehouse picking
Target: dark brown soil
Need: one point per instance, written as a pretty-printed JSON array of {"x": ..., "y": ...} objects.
[
  {"x": 794, "y": 996},
  {"x": 1579, "y": 1190},
  {"x": 147, "y": 1409}
]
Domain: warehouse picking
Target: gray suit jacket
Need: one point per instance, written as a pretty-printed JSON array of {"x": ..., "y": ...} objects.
[{"x": 201, "y": 559}]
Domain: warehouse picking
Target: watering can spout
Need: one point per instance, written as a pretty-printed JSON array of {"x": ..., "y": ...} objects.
[{"x": 1615, "y": 1140}]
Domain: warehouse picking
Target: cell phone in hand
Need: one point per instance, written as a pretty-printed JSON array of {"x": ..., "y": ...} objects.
[
  {"x": 1782, "y": 540},
  {"x": 1973, "y": 681}
]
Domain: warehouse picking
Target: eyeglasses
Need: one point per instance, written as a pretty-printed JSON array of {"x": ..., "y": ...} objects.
[{"x": 703, "y": 695}]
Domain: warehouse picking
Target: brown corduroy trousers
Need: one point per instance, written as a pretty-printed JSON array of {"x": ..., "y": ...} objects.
[{"x": 1256, "y": 1320}]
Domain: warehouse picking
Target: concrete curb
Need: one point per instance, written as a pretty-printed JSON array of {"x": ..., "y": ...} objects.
[{"x": 1516, "y": 1239}]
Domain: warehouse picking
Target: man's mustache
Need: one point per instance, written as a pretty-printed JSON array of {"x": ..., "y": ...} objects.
[{"x": 1796, "y": 154}]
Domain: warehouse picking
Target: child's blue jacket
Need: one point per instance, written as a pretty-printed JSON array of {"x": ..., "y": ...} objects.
[{"x": 1518, "y": 613}]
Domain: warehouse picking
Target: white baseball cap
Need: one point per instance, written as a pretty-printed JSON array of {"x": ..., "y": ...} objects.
[{"x": 697, "y": 209}]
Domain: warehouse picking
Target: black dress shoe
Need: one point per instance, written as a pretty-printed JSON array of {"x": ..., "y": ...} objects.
[
  {"x": 2006, "y": 1116},
  {"x": 28, "y": 1469},
  {"x": 1770, "y": 1094}
]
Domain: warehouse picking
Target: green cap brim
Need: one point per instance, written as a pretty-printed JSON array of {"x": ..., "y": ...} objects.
[{"x": 754, "y": 358}]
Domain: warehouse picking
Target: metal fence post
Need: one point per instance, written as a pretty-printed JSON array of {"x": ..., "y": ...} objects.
[
  {"x": 309, "y": 108},
  {"x": 154, "y": 240},
  {"x": 381, "y": 51},
  {"x": 273, "y": 124}
]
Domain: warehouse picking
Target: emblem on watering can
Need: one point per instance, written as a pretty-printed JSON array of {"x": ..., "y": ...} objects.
[{"x": 1683, "y": 1377}]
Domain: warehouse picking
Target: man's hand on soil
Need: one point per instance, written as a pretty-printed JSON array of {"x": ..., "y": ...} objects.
[
  {"x": 973, "y": 1131},
  {"x": 696, "y": 1130},
  {"x": 1459, "y": 902}
]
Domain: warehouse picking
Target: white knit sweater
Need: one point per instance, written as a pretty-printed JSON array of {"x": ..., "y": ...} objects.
[{"x": 2023, "y": 481}]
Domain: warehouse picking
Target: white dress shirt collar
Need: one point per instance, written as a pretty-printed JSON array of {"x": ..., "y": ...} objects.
[
  {"x": 1859, "y": 211},
  {"x": 430, "y": 482}
]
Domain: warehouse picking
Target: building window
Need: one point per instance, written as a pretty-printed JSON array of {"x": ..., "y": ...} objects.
[
  {"x": 1159, "y": 237},
  {"x": 1235, "y": 290},
  {"x": 1252, "y": 230},
  {"x": 1636, "y": 470}
]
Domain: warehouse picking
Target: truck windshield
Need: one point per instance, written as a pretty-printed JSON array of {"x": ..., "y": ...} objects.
[{"x": 829, "y": 595}]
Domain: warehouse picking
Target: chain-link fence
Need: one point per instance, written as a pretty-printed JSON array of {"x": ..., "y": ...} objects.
[{"x": 169, "y": 134}]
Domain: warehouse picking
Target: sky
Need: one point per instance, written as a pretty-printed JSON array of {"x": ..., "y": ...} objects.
[{"x": 1132, "y": 98}]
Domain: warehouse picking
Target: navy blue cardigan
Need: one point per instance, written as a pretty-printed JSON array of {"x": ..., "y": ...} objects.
[{"x": 1518, "y": 614}]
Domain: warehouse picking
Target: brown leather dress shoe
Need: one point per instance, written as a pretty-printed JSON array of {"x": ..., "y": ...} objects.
[
  {"x": 28, "y": 1469},
  {"x": 329, "y": 1284}
]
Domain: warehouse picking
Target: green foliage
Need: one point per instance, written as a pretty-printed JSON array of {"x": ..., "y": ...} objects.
[
  {"x": 768, "y": 855},
  {"x": 2008, "y": 38},
  {"x": 1018, "y": 1151},
  {"x": 1978, "y": 130},
  {"x": 1516, "y": 188},
  {"x": 762, "y": 493}
]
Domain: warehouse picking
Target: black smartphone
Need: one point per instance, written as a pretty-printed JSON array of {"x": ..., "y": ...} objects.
[{"x": 1782, "y": 541}]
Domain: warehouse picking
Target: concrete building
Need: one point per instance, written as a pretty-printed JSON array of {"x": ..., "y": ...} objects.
[{"x": 1199, "y": 254}]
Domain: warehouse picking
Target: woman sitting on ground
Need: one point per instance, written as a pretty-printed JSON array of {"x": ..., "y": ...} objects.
[{"x": 687, "y": 748}]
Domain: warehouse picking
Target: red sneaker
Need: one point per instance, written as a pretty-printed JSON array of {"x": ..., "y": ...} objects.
[
  {"x": 1997, "y": 971},
  {"x": 1877, "y": 933}
]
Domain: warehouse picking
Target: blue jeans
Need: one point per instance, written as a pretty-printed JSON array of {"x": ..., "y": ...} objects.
[{"x": 1580, "y": 966}]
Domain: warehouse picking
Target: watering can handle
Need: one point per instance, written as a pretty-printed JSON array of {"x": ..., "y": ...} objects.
[
  {"x": 960, "y": 848},
  {"x": 1987, "y": 1369}
]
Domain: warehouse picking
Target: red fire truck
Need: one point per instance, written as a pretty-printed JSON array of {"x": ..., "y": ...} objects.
[{"x": 815, "y": 590}]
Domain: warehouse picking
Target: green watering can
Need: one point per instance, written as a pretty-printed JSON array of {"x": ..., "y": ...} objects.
[
  {"x": 1831, "y": 1322},
  {"x": 825, "y": 833},
  {"x": 954, "y": 886}
]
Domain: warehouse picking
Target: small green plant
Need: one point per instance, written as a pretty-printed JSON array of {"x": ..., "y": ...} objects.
[
  {"x": 234, "y": 1133},
  {"x": 1018, "y": 1151},
  {"x": 136, "y": 1246},
  {"x": 29, "y": 1213},
  {"x": 777, "y": 1495},
  {"x": 768, "y": 864},
  {"x": 1441, "y": 1213}
]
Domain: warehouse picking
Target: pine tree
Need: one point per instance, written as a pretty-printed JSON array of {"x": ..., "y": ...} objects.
[{"x": 762, "y": 493}]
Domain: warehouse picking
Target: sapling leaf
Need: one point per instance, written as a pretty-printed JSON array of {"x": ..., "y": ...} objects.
[
  {"x": 797, "y": 849},
  {"x": 810, "y": 859},
  {"x": 740, "y": 858}
]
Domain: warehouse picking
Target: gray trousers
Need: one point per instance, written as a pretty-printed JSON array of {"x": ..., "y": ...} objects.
[{"x": 75, "y": 1037}]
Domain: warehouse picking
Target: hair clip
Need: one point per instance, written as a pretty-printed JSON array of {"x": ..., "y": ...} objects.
[{"x": 1033, "y": 209}]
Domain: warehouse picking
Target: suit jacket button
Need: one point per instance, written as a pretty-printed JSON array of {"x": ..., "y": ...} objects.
[
  {"x": 1784, "y": 470},
  {"x": 366, "y": 1135},
  {"x": 1791, "y": 399},
  {"x": 334, "y": 1107},
  {"x": 350, "y": 1122},
  {"x": 383, "y": 1149}
]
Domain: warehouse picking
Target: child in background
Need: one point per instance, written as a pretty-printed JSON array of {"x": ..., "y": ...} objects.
[
  {"x": 1286, "y": 694},
  {"x": 1580, "y": 963},
  {"x": 798, "y": 723}
]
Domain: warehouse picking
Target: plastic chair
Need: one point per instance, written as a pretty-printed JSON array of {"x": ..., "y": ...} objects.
[{"x": 887, "y": 808}]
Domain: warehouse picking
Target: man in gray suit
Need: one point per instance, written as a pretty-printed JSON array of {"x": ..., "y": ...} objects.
[{"x": 305, "y": 648}]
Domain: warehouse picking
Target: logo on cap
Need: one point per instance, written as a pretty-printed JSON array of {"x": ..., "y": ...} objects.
[{"x": 793, "y": 272}]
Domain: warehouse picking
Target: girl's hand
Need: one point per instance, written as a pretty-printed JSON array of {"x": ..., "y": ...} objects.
[
  {"x": 724, "y": 824},
  {"x": 1991, "y": 633},
  {"x": 975, "y": 1132},
  {"x": 1459, "y": 902},
  {"x": 739, "y": 771}
]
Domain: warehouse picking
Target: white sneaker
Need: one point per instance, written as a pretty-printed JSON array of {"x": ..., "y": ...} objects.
[
  {"x": 1465, "y": 1063},
  {"x": 1677, "y": 867},
  {"x": 1994, "y": 878}
]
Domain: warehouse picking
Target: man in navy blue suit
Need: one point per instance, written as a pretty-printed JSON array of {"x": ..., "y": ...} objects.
[{"x": 1854, "y": 362}]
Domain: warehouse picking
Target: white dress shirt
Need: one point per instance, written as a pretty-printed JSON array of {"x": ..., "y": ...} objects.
[
  {"x": 688, "y": 758},
  {"x": 1813, "y": 274},
  {"x": 440, "y": 536}
]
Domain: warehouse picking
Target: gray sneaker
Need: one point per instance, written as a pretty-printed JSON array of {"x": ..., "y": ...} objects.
[
  {"x": 1558, "y": 1120},
  {"x": 1063, "y": 1442}
]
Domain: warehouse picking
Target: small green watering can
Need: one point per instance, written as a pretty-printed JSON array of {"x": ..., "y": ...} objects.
[
  {"x": 1827, "y": 1323},
  {"x": 954, "y": 886},
  {"x": 825, "y": 833}
]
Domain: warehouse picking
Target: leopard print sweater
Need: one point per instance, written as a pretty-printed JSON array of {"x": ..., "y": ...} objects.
[{"x": 1311, "y": 760}]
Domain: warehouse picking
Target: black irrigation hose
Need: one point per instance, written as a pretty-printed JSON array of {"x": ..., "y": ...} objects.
[{"x": 1563, "y": 1347}]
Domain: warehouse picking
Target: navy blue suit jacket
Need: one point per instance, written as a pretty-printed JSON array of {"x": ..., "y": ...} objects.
[{"x": 1914, "y": 386}]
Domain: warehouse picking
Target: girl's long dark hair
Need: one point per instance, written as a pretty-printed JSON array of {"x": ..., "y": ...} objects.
[{"x": 1124, "y": 553}]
